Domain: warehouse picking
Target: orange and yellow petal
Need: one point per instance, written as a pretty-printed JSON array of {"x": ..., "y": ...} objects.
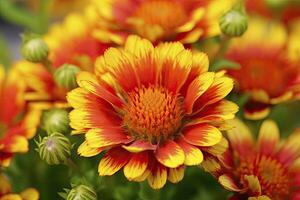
[
  {"x": 136, "y": 166},
  {"x": 113, "y": 161},
  {"x": 97, "y": 138},
  {"x": 176, "y": 174},
  {"x": 139, "y": 146},
  {"x": 30, "y": 194},
  {"x": 196, "y": 89},
  {"x": 268, "y": 137},
  {"x": 202, "y": 135},
  {"x": 240, "y": 137},
  {"x": 158, "y": 176},
  {"x": 86, "y": 151},
  {"x": 228, "y": 183},
  {"x": 170, "y": 154},
  {"x": 193, "y": 155}
]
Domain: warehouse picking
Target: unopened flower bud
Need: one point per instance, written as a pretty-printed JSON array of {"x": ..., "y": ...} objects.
[
  {"x": 35, "y": 50},
  {"x": 234, "y": 23},
  {"x": 54, "y": 149},
  {"x": 65, "y": 76},
  {"x": 56, "y": 120},
  {"x": 82, "y": 192}
]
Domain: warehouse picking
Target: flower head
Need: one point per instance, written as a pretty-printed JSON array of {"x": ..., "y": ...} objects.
[
  {"x": 70, "y": 42},
  {"x": 6, "y": 191},
  {"x": 13, "y": 137},
  {"x": 264, "y": 168},
  {"x": 265, "y": 73},
  {"x": 152, "y": 109},
  {"x": 177, "y": 20},
  {"x": 285, "y": 11}
]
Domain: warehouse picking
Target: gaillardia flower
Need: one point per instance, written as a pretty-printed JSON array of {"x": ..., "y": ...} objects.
[
  {"x": 70, "y": 42},
  {"x": 285, "y": 11},
  {"x": 266, "y": 169},
  {"x": 162, "y": 20},
  {"x": 266, "y": 73},
  {"x": 6, "y": 191},
  {"x": 152, "y": 109},
  {"x": 13, "y": 138}
]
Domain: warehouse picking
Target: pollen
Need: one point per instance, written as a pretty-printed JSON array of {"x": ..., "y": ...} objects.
[
  {"x": 153, "y": 114},
  {"x": 271, "y": 173}
]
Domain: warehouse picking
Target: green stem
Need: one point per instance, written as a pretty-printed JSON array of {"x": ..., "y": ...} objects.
[
  {"x": 223, "y": 47},
  {"x": 48, "y": 65}
]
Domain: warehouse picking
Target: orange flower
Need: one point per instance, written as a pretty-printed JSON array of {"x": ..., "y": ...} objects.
[
  {"x": 265, "y": 72},
  {"x": 13, "y": 138},
  {"x": 288, "y": 12},
  {"x": 263, "y": 170},
  {"x": 70, "y": 42},
  {"x": 152, "y": 109},
  {"x": 162, "y": 20},
  {"x": 6, "y": 191}
]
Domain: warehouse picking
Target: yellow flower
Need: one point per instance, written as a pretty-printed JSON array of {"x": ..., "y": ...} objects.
[
  {"x": 266, "y": 73},
  {"x": 263, "y": 169},
  {"x": 6, "y": 191},
  {"x": 154, "y": 110},
  {"x": 161, "y": 20}
]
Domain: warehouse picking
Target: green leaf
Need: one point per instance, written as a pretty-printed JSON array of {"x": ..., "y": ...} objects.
[{"x": 224, "y": 64}]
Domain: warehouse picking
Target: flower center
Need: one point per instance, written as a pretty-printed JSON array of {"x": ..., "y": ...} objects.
[
  {"x": 272, "y": 176},
  {"x": 159, "y": 13},
  {"x": 153, "y": 114}
]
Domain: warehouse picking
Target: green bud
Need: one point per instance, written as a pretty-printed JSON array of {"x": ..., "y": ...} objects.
[
  {"x": 54, "y": 149},
  {"x": 56, "y": 120},
  {"x": 65, "y": 76},
  {"x": 82, "y": 192},
  {"x": 234, "y": 23},
  {"x": 35, "y": 50}
]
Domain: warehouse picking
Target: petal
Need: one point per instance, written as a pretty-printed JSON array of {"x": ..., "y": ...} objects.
[
  {"x": 175, "y": 72},
  {"x": 97, "y": 138},
  {"x": 240, "y": 138},
  {"x": 202, "y": 135},
  {"x": 290, "y": 150},
  {"x": 228, "y": 183},
  {"x": 97, "y": 114},
  {"x": 99, "y": 88},
  {"x": 220, "y": 111},
  {"x": 193, "y": 155},
  {"x": 253, "y": 184},
  {"x": 120, "y": 64},
  {"x": 86, "y": 151},
  {"x": 30, "y": 194},
  {"x": 219, "y": 148},
  {"x": 138, "y": 46},
  {"x": 212, "y": 166},
  {"x": 139, "y": 146},
  {"x": 158, "y": 176},
  {"x": 196, "y": 89},
  {"x": 15, "y": 144},
  {"x": 11, "y": 197},
  {"x": 176, "y": 64},
  {"x": 263, "y": 197},
  {"x": 170, "y": 154},
  {"x": 113, "y": 161},
  {"x": 5, "y": 186},
  {"x": 220, "y": 88},
  {"x": 5, "y": 159},
  {"x": 176, "y": 174},
  {"x": 268, "y": 137},
  {"x": 255, "y": 111},
  {"x": 136, "y": 166}
]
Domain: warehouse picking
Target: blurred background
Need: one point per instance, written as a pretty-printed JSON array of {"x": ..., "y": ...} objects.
[{"x": 17, "y": 16}]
